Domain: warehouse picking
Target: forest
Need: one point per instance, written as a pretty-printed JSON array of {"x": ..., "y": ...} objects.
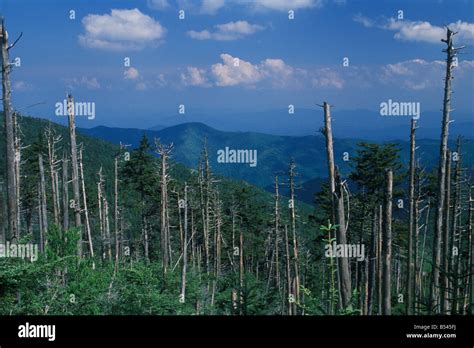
[{"x": 122, "y": 230}]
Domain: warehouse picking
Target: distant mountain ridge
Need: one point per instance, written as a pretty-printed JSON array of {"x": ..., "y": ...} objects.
[
  {"x": 359, "y": 123},
  {"x": 274, "y": 151}
]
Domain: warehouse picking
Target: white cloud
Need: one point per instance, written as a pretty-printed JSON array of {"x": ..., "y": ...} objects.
[
  {"x": 131, "y": 74},
  {"x": 366, "y": 22},
  {"x": 158, "y": 4},
  {"x": 422, "y": 31},
  {"x": 22, "y": 86},
  {"x": 418, "y": 74},
  {"x": 84, "y": 81},
  {"x": 327, "y": 78},
  {"x": 121, "y": 30},
  {"x": 194, "y": 77},
  {"x": 285, "y": 5},
  {"x": 211, "y": 6},
  {"x": 235, "y": 71},
  {"x": 226, "y": 32}
]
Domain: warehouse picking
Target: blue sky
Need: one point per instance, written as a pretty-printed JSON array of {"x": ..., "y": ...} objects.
[{"x": 191, "y": 61}]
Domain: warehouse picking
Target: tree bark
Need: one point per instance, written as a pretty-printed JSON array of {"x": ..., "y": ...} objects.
[
  {"x": 435, "y": 287},
  {"x": 86, "y": 211},
  {"x": 43, "y": 203},
  {"x": 445, "y": 243},
  {"x": 387, "y": 245},
  {"x": 65, "y": 182},
  {"x": 12, "y": 199},
  {"x": 411, "y": 225},
  {"x": 75, "y": 172}
]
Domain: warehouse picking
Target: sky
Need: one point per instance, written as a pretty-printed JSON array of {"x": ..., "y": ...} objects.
[{"x": 231, "y": 57}]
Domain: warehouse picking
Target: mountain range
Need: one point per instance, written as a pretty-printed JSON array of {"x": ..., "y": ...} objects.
[{"x": 274, "y": 152}]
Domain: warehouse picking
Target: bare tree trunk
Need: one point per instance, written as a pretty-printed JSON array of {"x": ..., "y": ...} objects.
[
  {"x": 52, "y": 140},
  {"x": 185, "y": 244},
  {"x": 12, "y": 200},
  {"x": 434, "y": 289},
  {"x": 40, "y": 220},
  {"x": 65, "y": 181},
  {"x": 17, "y": 144},
  {"x": 164, "y": 152},
  {"x": 277, "y": 235},
  {"x": 293, "y": 230},
  {"x": 379, "y": 260},
  {"x": 411, "y": 225},
  {"x": 444, "y": 303},
  {"x": 107, "y": 229},
  {"x": 288, "y": 273},
  {"x": 75, "y": 172},
  {"x": 387, "y": 245},
  {"x": 372, "y": 261},
  {"x": 101, "y": 213},
  {"x": 43, "y": 204},
  {"x": 86, "y": 212},
  {"x": 337, "y": 209},
  {"x": 116, "y": 215},
  {"x": 455, "y": 242},
  {"x": 343, "y": 262}
]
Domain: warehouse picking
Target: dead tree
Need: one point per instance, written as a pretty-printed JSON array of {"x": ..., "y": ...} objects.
[
  {"x": 291, "y": 175},
  {"x": 100, "y": 186},
  {"x": 52, "y": 139},
  {"x": 116, "y": 214},
  {"x": 372, "y": 262},
  {"x": 387, "y": 245},
  {"x": 411, "y": 225},
  {"x": 434, "y": 289},
  {"x": 444, "y": 302},
  {"x": 338, "y": 211},
  {"x": 455, "y": 240},
  {"x": 86, "y": 211},
  {"x": 75, "y": 171},
  {"x": 42, "y": 204},
  {"x": 164, "y": 152},
  {"x": 65, "y": 182},
  {"x": 12, "y": 200},
  {"x": 185, "y": 244},
  {"x": 18, "y": 148},
  {"x": 277, "y": 234}
]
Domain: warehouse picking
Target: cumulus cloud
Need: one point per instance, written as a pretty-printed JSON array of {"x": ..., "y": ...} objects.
[
  {"x": 327, "y": 78},
  {"x": 285, "y": 5},
  {"x": 121, "y": 30},
  {"x": 131, "y": 74},
  {"x": 158, "y": 4},
  {"x": 211, "y": 6},
  {"x": 421, "y": 31},
  {"x": 84, "y": 82},
  {"x": 194, "y": 77},
  {"x": 418, "y": 74},
  {"x": 234, "y": 71},
  {"x": 226, "y": 32}
]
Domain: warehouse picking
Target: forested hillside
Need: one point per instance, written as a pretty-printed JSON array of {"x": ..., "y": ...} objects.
[
  {"x": 163, "y": 227},
  {"x": 274, "y": 151}
]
